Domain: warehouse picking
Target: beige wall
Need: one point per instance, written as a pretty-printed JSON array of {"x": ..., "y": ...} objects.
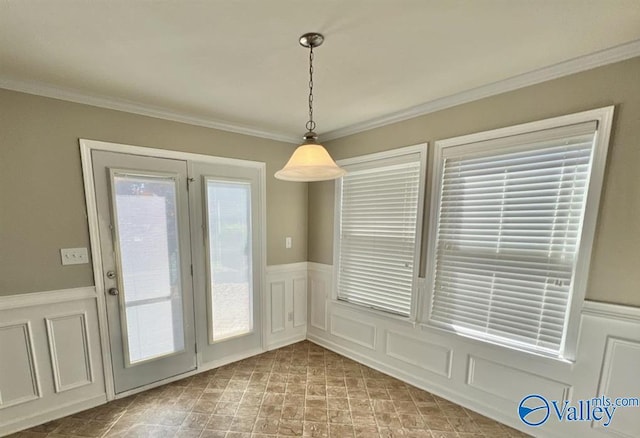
[
  {"x": 42, "y": 206},
  {"x": 615, "y": 265}
]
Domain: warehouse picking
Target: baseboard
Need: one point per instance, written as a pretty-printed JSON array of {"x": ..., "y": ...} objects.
[
  {"x": 51, "y": 414},
  {"x": 287, "y": 341},
  {"x": 453, "y": 396}
]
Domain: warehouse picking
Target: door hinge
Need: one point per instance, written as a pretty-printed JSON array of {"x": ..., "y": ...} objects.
[
  {"x": 196, "y": 347},
  {"x": 192, "y": 270}
]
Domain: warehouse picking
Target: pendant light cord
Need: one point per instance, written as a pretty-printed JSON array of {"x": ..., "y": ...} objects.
[{"x": 311, "y": 125}]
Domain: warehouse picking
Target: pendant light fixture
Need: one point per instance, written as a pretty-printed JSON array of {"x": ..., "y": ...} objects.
[{"x": 310, "y": 161}]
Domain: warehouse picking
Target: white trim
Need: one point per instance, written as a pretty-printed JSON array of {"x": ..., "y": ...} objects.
[
  {"x": 565, "y": 68},
  {"x": 286, "y": 341},
  {"x": 97, "y": 145},
  {"x": 86, "y": 146},
  {"x": 616, "y": 312},
  {"x": 320, "y": 267},
  {"x": 117, "y": 104},
  {"x": 287, "y": 268},
  {"x": 603, "y": 117},
  {"x": 420, "y": 148},
  {"x": 59, "y": 411},
  {"x": 53, "y": 352},
  {"x": 44, "y": 298}
]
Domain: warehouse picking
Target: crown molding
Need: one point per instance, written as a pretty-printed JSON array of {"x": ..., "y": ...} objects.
[
  {"x": 46, "y": 90},
  {"x": 575, "y": 65}
]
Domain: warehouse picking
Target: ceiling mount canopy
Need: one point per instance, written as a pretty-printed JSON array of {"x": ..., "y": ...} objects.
[{"x": 310, "y": 161}]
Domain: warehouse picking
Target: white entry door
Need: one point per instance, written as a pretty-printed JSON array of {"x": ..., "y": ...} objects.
[
  {"x": 227, "y": 252},
  {"x": 143, "y": 212}
]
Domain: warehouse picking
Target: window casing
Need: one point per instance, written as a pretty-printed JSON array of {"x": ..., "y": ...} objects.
[
  {"x": 512, "y": 222},
  {"x": 378, "y": 224}
]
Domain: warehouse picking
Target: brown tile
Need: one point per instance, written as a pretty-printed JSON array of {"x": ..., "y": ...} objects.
[
  {"x": 267, "y": 426},
  {"x": 438, "y": 424},
  {"x": 319, "y": 430},
  {"x": 366, "y": 432},
  {"x": 411, "y": 421},
  {"x": 290, "y": 428},
  {"x": 226, "y": 408},
  {"x": 150, "y": 430},
  {"x": 341, "y": 431},
  {"x": 363, "y": 418},
  {"x": 293, "y": 412},
  {"x": 464, "y": 425},
  {"x": 273, "y": 399},
  {"x": 315, "y": 414},
  {"x": 441, "y": 434},
  {"x": 339, "y": 416},
  {"x": 270, "y": 411},
  {"x": 338, "y": 403},
  {"x": 219, "y": 422},
  {"x": 242, "y": 424},
  {"x": 388, "y": 419},
  {"x": 188, "y": 433},
  {"x": 209, "y": 433},
  {"x": 195, "y": 421},
  {"x": 316, "y": 389},
  {"x": 393, "y": 432}
]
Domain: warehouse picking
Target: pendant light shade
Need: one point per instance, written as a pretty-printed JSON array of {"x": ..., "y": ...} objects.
[{"x": 310, "y": 161}]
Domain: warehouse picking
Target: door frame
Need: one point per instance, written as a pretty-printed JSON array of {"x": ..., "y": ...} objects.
[{"x": 87, "y": 146}]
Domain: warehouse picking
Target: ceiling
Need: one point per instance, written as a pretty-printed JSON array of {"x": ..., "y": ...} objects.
[{"x": 237, "y": 64}]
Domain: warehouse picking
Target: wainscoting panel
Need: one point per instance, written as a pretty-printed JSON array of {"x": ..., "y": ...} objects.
[
  {"x": 621, "y": 360},
  {"x": 349, "y": 329},
  {"x": 414, "y": 351},
  {"x": 318, "y": 300},
  {"x": 286, "y": 304},
  {"x": 50, "y": 357},
  {"x": 300, "y": 301},
  {"x": 70, "y": 351},
  {"x": 510, "y": 383},
  {"x": 18, "y": 375},
  {"x": 486, "y": 378},
  {"x": 277, "y": 301}
]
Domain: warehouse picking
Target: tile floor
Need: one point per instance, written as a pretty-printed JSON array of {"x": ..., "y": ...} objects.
[{"x": 299, "y": 390}]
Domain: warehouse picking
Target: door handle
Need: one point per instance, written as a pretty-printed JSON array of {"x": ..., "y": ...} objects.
[
  {"x": 113, "y": 291},
  {"x": 111, "y": 275}
]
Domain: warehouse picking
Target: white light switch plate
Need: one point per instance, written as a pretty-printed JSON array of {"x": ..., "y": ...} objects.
[
  {"x": 287, "y": 242},
  {"x": 74, "y": 256}
]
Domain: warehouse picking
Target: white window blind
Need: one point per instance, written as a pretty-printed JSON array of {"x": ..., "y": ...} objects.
[
  {"x": 510, "y": 216},
  {"x": 378, "y": 208}
]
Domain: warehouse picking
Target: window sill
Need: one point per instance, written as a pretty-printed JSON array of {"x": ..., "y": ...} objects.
[
  {"x": 468, "y": 337},
  {"x": 375, "y": 312}
]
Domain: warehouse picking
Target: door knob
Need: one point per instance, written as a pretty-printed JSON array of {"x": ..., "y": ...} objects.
[
  {"x": 111, "y": 275},
  {"x": 113, "y": 291}
]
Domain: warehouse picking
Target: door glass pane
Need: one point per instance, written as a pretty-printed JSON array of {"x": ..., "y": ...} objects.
[
  {"x": 147, "y": 235},
  {"x": 230, "y": 272}
]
